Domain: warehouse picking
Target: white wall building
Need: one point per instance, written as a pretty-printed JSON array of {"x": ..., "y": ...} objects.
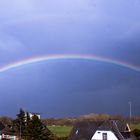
[
  {"x": 32, "y": 114},
  {"x": 101, "y": 130},
  {"x": 9, "y": 137},
  {"x": 104, "y": 135}
]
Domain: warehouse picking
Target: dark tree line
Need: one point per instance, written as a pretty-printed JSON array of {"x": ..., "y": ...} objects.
[{"x": 30, "y": 128}]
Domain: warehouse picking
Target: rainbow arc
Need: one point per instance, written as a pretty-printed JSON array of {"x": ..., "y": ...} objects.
[{"x": 38, "y": 59}]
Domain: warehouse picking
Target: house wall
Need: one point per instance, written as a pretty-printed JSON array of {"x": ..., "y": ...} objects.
[
  {"x": 99, "y": 135},
  {"x": 31, "y": 115},
  {"x": 12, "y": 137},
  {"x": 8, "y": 137}
]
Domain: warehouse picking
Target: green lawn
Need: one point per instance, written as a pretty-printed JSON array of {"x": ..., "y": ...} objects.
[
  {"x": 64, "y": 131},
  {"x": 135, "y": 126},
  {"x": 60, "y": 131}
]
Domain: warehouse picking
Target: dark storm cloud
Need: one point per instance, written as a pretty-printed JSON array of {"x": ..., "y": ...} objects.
[{"x": 106, "y": 28}]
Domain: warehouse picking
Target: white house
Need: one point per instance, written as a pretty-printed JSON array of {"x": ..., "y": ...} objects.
[
  {"x": 112, "y": 130},
  {"x": 5, "y": 132},
  {"x": 101, "y": 130},
  {"x": 32, "y": 114},
  {"x": 104, "y": 135},
  {"x": 8, "y": 137}
]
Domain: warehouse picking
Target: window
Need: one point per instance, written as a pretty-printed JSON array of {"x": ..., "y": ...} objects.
[{"x": 104, "y": 136}]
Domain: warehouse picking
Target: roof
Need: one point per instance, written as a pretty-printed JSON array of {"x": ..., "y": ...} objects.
[
  {"x": 116, "y": 127},
  {"x": 111, "y": 124},
  {"x": 34, "y": 113},
  {"x": 8, "y": 131},
  {"x": 5, "y": 129},
  {"x": 85, "y": 130},
  {"x": 129, "y": 135}
]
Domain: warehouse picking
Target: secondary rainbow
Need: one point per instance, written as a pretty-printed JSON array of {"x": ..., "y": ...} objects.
[{"x": 38, "y": 59}]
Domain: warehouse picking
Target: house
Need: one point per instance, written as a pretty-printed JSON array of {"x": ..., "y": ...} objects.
[
  {"x": 101, "y": 130},
  {"x": 31, "y": 114},
  {"x": 113, "y": 130},
  {"x": 6, "y": 132}
]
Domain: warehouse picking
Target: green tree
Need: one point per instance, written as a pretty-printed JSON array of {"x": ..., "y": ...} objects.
[
  {"x": 31, "y": 128},
  {"x": 27, "y": 127},
  {"x": 20, "y": 123},
  {"x": 37, "y": 129}
]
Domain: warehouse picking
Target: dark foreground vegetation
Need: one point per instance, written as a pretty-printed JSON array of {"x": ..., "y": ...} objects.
[
  {"x": 57, "y": 128},
  {"x": 28, "y": 128}
]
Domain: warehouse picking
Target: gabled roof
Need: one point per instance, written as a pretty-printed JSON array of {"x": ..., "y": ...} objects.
[
  {"x": 5, "y": 129},
  {"x": 8, "y": 131},
  {"x": 122, "y": 126},
  {"x": 129, "y": 136},
  {"x": 85, "y": 130},
  {"x": 115, "y": 126},
  {"x": 111, "y": 124}
]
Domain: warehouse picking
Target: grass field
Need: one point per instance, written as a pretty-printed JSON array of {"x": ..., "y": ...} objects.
[
  {"x": 135, "y": 126},
  {"x": 60, "y": 131},
  {"x": 64, "y": 131}
]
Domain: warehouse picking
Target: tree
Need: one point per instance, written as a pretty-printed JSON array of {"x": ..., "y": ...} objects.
[
  {"x": 27, "y": 126},
  {"x": 31, "y": 128},
  {"x": 136, "y": 132},
  {"x": 37, "y": 130},
  {"x": 20, "y": 123},
  {"x": 6, "y": 120}
]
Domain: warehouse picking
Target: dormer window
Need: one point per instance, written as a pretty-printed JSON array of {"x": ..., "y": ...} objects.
[{"x": 104, "y": 136}]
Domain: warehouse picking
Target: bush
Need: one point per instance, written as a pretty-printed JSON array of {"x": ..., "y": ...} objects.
[{"x": 136, "y": 132}]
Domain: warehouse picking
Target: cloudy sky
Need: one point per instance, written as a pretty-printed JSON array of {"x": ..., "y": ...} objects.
[{"x": 70, "y": 87}]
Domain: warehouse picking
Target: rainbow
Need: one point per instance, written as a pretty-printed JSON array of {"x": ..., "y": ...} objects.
[{"x": 38, "y": 59}]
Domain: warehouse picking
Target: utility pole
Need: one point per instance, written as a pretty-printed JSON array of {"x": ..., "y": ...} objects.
[
  {"x": 20, "y": 130},
  {"x": 130, "y": 109}
]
